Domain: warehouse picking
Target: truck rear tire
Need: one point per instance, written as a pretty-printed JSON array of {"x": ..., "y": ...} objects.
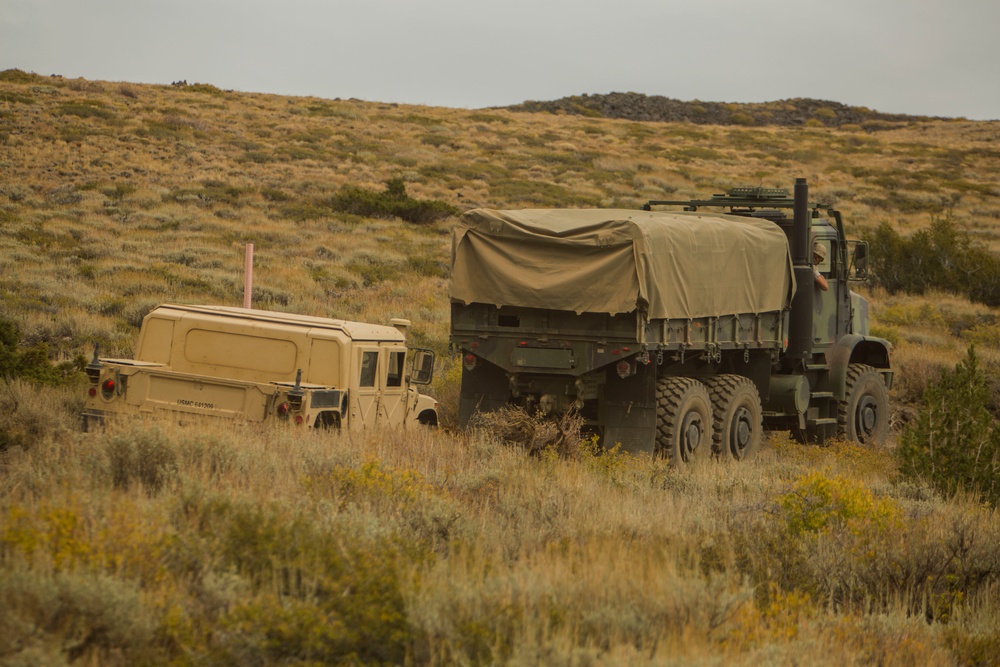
[
  {"x": 683, "y": 420},
  {"x": 863, "y": 415},
  {"x": 738, "y": 416}
]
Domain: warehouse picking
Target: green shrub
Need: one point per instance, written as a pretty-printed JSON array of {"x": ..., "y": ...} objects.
[
  {"x": 120, "y": 191},
  {"x": 85, "y": 109},
  {"x": 954, "y": 444},
  {"x": 889, "y": 333},
  {"x": 33, "y": 363},
  {"x": 330, "y": 110},
  {"x": 9, "y": 338},
  {"x": 817, "y": 503},
  {"x": 939, "y": 258},
  {"x": 16, "y": 98},
  {"x": 480, "y": 117},
  {"x": 373, "y": 270},
  {"x": 74, "y": 618},
  {"x": 317, "y": 593},
  {"x": 146, "y": 457},
  {"x": 15, "y": 75},
  {"x": 985, "y": 334},
  {"x": 426, "y": 265},
  {"x": 275, "y": 195},
  {"x": 305, "y": 210},
  {"x": 211, "y": 192},
  {"x": 30, "y": 414},
  {"x": 205, "y": 88},
  {"x": 393, "y": 202}
]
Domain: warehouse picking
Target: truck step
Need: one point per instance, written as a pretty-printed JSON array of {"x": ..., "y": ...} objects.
[
  {"x": 823, "y": 421},
  {"x": 820, "y": 394},
  {"x": 817, "y": 367}
]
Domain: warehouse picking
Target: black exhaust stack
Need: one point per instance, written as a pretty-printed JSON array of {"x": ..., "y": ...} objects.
[{"x": 800, "y": 330}]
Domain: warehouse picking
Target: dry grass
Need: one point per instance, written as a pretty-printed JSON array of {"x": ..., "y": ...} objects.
[
  {"x": 227, "y": 545},
  {"x": 223, "y": 543}
]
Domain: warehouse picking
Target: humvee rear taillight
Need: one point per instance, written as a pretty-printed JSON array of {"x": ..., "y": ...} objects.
[
  {"x": 470, "y": 361},
  {"x": 283, "y": 409},
  {"x": 108, "y": 388}
]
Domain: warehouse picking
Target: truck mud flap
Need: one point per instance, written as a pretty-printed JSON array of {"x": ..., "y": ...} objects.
[
  {"x": 629, "y": 416},
  {"x": 484, "y": 389},
  {"x": 635, "y": 430}
]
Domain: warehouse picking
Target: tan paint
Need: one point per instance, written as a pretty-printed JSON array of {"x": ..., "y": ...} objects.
[{"x": 243, "y": 364}]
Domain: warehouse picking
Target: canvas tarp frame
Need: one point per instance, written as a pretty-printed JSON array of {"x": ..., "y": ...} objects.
[{"x": 669, "y": 264}]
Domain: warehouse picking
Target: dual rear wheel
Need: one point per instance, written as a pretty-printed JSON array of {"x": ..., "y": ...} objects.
[
  {"x": 719, "y": 417},
  {"x": 738, "y": 416}
]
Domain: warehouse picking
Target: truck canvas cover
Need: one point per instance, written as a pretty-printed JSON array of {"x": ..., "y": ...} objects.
[{"x": 671, "y": 264}]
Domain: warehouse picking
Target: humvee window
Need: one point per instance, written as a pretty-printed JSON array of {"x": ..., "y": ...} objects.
[
  {"x": 369, "y": 369},
  {"x": 395, "y": 376}
]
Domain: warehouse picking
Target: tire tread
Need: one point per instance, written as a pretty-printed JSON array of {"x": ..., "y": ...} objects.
[{"x": 722, "y": 390}]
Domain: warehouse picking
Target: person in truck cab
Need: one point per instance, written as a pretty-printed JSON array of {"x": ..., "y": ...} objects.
[{"x": 819, "y": 256}]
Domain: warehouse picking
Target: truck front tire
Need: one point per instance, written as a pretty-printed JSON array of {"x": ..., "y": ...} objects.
[
  {"x": 863, "y": 415},
  {"x": 738, "y": 416},
  {"x": 683, "y": 420}
]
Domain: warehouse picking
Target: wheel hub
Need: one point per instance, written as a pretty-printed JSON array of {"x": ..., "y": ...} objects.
[
  {"x": 867, "y": 417},
  {"x": 741, "y": 434},
  {"x": 691, "y": 432}
]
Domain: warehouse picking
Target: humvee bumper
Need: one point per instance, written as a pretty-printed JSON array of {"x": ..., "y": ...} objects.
[{"x": 91, "y": 417}]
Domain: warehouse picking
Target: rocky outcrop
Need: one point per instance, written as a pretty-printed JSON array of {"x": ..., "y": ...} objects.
[{"x": 638, "y": 107}]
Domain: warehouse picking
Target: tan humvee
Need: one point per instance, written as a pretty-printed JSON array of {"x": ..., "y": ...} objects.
[{"x": 255, "y": 366}]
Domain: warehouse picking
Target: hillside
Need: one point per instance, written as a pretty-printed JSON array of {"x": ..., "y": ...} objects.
[
  {"x": 784, "y": 113},
  {"x": 151, "y": 544}
]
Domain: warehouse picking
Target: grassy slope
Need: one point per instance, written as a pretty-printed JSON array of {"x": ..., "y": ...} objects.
[{"x": 224, "y": 546}]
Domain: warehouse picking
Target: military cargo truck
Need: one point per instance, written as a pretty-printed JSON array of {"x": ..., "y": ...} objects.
[
  {"x": 676, "y": 331},
  {"x": 255, "y": 366}
]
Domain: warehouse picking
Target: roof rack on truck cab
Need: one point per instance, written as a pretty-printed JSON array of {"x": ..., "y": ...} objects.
[
  {"x": 743, "y": 201},
  {"x": 757, "y": 202}
]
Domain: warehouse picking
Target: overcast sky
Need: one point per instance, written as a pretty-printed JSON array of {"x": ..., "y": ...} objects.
[{"x": 930, "y": 57}]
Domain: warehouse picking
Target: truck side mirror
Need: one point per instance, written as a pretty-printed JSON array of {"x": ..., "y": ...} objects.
[
  {"x": 422, "y": 366},
  {"x": 859, "y": 261}
]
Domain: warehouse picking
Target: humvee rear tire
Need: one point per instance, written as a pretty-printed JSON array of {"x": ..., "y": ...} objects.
[
  {"x": 327, "y": 421},
  {"x": 738, "y": 416},
  {"x": 863, "y": 415},
  {"x": 683, "y": 420}
]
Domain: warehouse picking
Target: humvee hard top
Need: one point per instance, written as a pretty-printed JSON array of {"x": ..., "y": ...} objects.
[{"x": 255, "y": 366}]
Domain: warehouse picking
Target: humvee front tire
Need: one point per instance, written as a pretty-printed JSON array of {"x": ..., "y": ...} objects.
[
  {"x": 428, "y": 418},
  {"x": 683, "y": 420},
  {"x": 863, "y": 415},
  {"x": 738, "y": 416}
]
